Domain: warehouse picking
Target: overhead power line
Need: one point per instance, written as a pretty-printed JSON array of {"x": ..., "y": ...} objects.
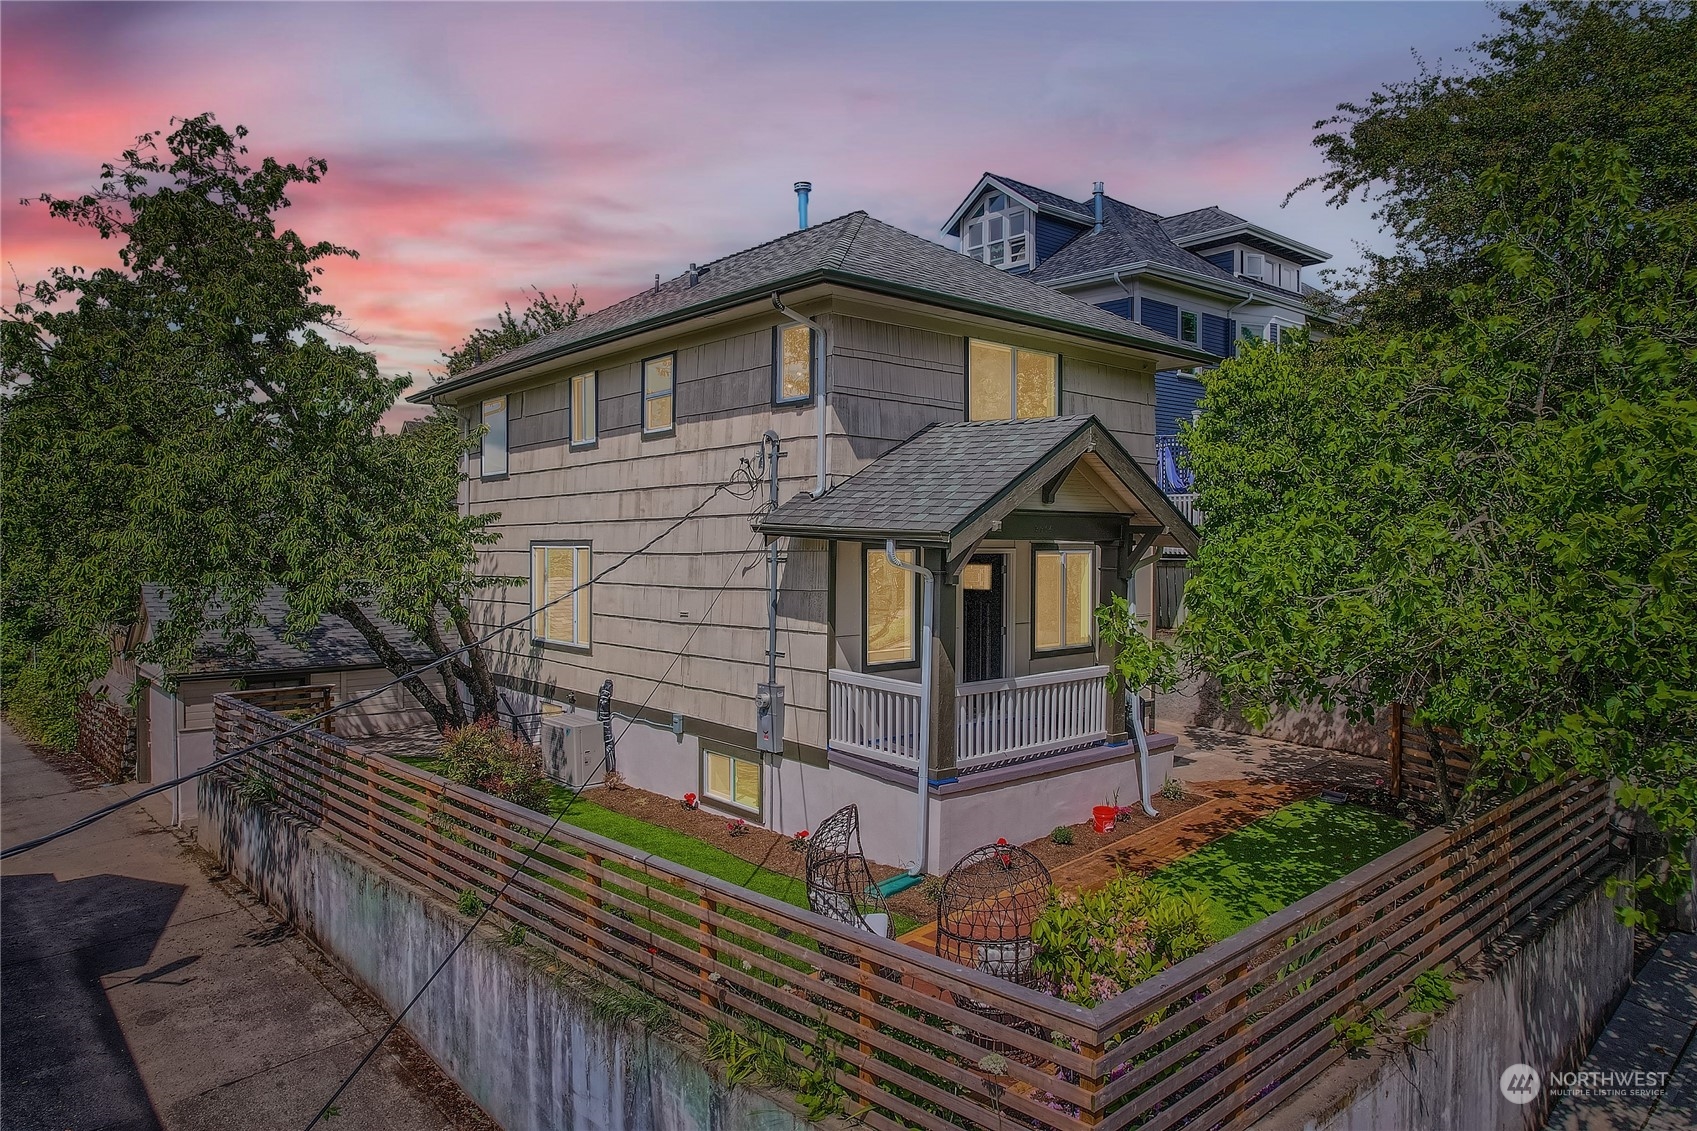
[
  {"x": 531, "y": 853},
  {"x": 741, "y": 476}
]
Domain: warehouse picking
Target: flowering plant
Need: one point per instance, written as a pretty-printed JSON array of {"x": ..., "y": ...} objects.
[
  {"x": 799, "y": 841},
  {"x": 736, "y": 826},
  {"x": 1091, "y": 947},
  {"x": 690, "y": 802},
  {"x": 1005, "y": 859}
]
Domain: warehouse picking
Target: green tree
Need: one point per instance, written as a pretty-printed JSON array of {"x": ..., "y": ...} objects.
[
  {"x": 1491, "y": 518},
  {"x": 188, "y": 418},
  {"x": 1624, "y": 74},
  {"x": 544, "y": 314}
]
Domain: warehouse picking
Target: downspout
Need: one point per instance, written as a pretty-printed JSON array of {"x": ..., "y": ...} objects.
[
  {"x": 823, "y": 482},
  {"x": 1134, "y": 704},
  {"x": 928, "y": 602},
  {"x": 769, "y": 457},
  {"x": 1130, "y": 294}
]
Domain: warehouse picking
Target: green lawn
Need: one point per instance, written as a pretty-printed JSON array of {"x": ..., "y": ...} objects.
[
  {"x": 679, "y": 848},
  {"x": 1272, "y": 863}
]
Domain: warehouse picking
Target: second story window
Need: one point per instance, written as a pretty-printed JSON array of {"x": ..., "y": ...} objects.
[
  {"x": 1187, "y": 325},
  {"x": 494, "y": 444},
  {"x": 997, "y": 232},
  {"x": 792, "y": 362},
  {"x": 583, "y": 408},
  {"x": 657, "y": 388},
  {"x": 1004, "y": 383}
]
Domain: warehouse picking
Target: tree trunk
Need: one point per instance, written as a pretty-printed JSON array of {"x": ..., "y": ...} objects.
[
  {"x": 1440, "y": 771},
  {"x": 485, "y": 696},
  {"x": 444, "y": 714}
]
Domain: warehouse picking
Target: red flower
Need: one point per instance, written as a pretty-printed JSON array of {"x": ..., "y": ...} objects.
[
  {"x": 802, "y": 835},
  {"x": 1001, "y": 842},
  {"x": 689, "y": 801}
]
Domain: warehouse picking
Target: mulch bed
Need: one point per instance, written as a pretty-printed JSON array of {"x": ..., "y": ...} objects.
[{"x": 772, "y": 851}]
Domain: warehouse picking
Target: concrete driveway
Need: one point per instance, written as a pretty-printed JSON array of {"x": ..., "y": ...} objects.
[{"x": 142, "y": 989}]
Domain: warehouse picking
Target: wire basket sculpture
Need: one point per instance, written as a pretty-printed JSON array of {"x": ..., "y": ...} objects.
[
  {"x": 839, "y": 884},
  {"x": 989, "y": 902}
]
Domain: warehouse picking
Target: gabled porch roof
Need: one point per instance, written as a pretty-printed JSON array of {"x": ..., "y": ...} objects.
[{"x": 951, "y": 485}]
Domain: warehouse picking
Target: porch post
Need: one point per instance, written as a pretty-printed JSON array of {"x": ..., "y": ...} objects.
[
  {"x": 1110, "y": 581},
  {"x": 945, "y": 620}
]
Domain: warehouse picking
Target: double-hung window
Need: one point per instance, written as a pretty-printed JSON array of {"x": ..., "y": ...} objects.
[
  {"x": 792, "y": 364},
  {"x": 658, "y": 376},
  {"x": 1187, "y": 325},
  {"x": 583, "y": 408},
  {"x": 559, "y": 593},
  {"x": 1061, "y": 606},
  {"x": 997, "y": 232},
  {"x": 731, "y": 780},
  {"x": 891, "y": 598},
  {"x": 1004, "y": 383},
  {"x": 493, "y": 450}
]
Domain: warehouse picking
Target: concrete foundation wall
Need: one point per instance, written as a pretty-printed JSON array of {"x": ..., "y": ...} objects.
[
  {"x": 1542, "y": 1006},
  {"x": 1197, "y": 702},
  {"x": 526, "y": 1048}
]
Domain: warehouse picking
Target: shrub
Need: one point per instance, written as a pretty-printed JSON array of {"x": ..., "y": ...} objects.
[
  {"x": 1091, "y": 947},
  {"x": 486, "y": 757},
  {"x": 470, "y": 904},
  {"x": 255, "y": 787},
  {"x": 1173, "y": 790},
  {"x": 1062, "y": 834}
]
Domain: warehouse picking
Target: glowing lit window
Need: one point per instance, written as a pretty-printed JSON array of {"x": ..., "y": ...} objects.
[
  {"x": 890, "y": 603},
  {"x": 1061, "y": 604},
  {"x": 1004, "y": 383}
]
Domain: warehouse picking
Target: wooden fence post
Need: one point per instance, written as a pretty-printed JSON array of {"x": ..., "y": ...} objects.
[
  {"x": 1090, "y": 1085},
  {"x": 709, "y": 953},
  {"x": 591, "y": 925},
  {"x": 1237, "y": 1079},
  {"x": 867, "y": 973}
]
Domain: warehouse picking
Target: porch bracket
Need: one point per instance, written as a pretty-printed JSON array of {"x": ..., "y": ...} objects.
[
  {"x": 1053, "y": 486},
  {"x": 1135, "y": 545}
]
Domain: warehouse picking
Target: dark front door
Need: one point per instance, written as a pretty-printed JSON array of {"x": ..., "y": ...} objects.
[{"x": 983, "y": 617}]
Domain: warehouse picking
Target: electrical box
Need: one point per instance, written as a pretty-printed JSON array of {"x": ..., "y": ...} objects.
[
  {"x": 769, "y": 718},
  {"x": 572, "y": 750}
]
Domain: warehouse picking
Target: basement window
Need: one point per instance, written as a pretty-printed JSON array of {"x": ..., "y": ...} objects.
[{"x": 731, "y": 780}]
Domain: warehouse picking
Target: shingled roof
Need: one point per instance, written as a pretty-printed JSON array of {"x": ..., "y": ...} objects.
[
  {"x": 330, "y": 645},
  {"x": 1197, "y": 221},
  {"x": 950, "y": 483},
  {"x": 856, "y": 250}
]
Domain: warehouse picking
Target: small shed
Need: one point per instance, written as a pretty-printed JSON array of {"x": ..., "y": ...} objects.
[{"x": 173, "y": 729}]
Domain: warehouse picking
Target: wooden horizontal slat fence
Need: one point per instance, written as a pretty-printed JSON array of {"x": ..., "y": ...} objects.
[
  {"x": 1215, "y": 1041},
  {"x": 106, "y": 737},
  {"x": 312, "y": 699}
]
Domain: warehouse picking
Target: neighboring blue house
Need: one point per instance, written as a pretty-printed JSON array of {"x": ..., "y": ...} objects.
[{"x": 1206, "y": 277}]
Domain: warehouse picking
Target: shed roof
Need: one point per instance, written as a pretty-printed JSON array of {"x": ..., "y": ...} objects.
[{"x": 331, "y": 645}]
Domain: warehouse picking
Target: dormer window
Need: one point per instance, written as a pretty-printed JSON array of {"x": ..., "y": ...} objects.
[{"x": 997, "y": 232}]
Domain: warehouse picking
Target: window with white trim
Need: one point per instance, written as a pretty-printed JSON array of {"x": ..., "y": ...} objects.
[
  {"x": 559, "y": 593},
  {"x": 891, "y": 598},
  {"x": 1187, "y": 324},
  {"x": 583, "y": 408},
  {"x": 731, "y": 779},
  {"x": 1255, "y": 266},
  {"x": 1061, "y": 607},
  {"x": 998, "y": 232},
  {"x": 658, "y": 376},
  {"x": 1005, "y": 383},
  {"x": 493, "y": 448}
]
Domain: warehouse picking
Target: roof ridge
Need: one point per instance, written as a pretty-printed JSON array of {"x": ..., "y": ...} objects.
[
  {"x": 846, "y": 242},
  {"x": 774, "y": 240}
]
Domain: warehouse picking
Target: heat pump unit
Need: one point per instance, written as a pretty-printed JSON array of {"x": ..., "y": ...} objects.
[{"x": 571, "y": 749}]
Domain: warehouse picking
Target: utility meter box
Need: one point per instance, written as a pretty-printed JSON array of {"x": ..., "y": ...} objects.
[
  {"x": 571, "y": 750},
  {"x": 769, "y": 718}
]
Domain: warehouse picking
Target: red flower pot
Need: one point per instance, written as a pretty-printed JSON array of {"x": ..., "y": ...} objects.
[{"x": 1102, "y": 817}]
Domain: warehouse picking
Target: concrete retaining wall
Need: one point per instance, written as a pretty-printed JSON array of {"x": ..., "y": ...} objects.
[
  {"x": 526, "y": 1048},
  {"x": 1542, "y": 1005}
]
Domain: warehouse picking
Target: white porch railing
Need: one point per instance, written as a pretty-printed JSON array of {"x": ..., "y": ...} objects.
[
  {"x": 1185, "y": 503},
  {"x": 998, "y": 720},
  {"x": 875, "y": 716},
  {"x": 1003, "y": 719}
]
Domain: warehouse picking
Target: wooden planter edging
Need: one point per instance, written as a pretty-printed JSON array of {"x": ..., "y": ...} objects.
[{"x": 1217, "y": 1040}]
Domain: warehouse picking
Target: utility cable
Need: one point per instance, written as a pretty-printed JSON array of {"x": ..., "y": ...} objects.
[
  {"x": 741, "y": 475},
  {"x": 528, "y": 856}
]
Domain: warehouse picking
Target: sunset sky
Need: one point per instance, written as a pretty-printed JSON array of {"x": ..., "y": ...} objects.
[{"x": 475, "y": 149}]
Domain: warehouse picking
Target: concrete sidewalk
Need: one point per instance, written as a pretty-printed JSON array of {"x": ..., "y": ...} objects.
[
  {"x": 142, "y": 989},
  {"x": 1654, "y": 1030}
]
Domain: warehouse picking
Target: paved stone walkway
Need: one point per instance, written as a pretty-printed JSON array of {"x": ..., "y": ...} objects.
[
  {"x": 143, "y": 990},
  {"x": 1654, "y": 1030}
]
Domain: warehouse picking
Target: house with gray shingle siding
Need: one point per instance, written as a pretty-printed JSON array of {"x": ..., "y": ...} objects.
[{"x": 964, "y": 466}]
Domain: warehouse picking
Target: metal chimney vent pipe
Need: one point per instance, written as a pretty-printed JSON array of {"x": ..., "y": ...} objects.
[
  {"x": 1098, "y": 196},
  {"x": 802, "y": 188}
]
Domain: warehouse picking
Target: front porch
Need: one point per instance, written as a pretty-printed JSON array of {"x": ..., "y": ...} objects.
[{"x": 996, "y": 722}]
